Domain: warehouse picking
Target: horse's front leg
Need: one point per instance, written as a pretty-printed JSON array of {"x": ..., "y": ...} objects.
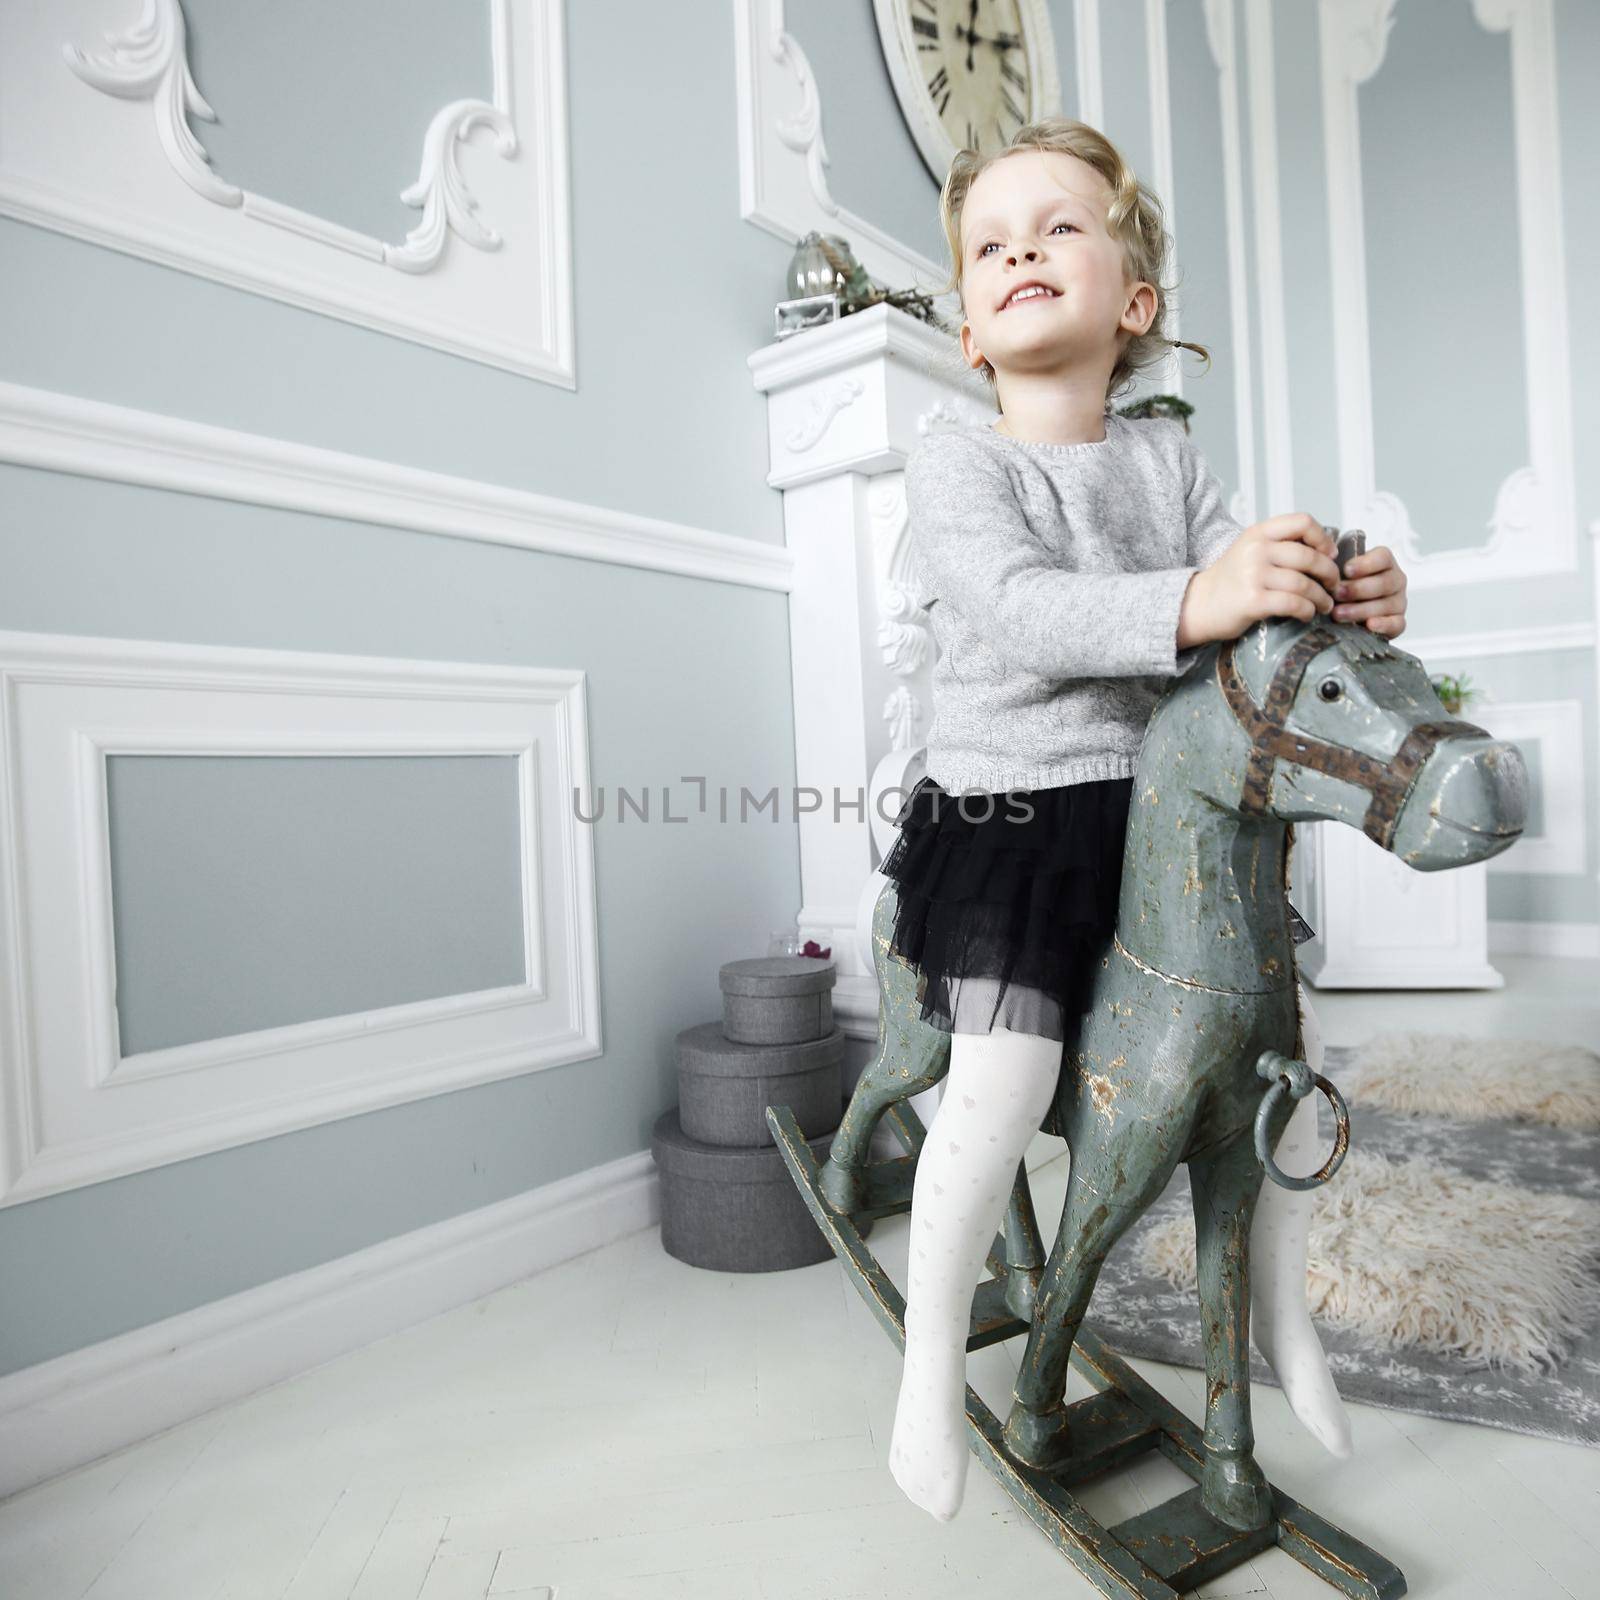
[
  {"x": 1280, "y": 1322},
  {"x": 1118, "y": 1167},
  {"x": 1224, "y": 1182},
  {"x": 912, "y": 1056}
]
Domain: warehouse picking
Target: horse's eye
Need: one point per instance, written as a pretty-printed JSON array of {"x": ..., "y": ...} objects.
[{"x": 1331, "y": 689}]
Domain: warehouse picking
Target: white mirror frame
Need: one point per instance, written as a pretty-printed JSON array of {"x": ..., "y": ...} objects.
[
  {"x": 96, "y": 142},
  {"x": 783, "y": 185},
  {"x": 1533, "y": 524}
]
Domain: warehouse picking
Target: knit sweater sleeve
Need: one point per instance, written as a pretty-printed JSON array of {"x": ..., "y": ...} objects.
[
  {"x": 975, "y": 552},
  {"x": 1212, "y": 528}
]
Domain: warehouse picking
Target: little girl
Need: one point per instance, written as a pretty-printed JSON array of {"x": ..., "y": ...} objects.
[{"x": 1072, "y": 562}]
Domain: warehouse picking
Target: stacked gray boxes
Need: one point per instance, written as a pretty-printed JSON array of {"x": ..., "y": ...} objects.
[{"x": 728, "y": 1201}]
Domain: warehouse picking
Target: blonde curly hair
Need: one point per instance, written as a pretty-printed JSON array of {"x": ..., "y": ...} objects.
[{"x": 1134, "y": 218}]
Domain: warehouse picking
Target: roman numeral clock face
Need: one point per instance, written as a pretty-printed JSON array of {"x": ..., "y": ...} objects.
[{"x": 967, "y": 73}]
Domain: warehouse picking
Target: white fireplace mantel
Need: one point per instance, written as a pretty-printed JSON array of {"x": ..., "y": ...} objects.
[{"x": 846, "y": 402}]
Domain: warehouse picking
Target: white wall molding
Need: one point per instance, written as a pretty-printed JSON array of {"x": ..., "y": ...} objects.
[
  {"x": 1220, "y": 37},
  {"x": 93, "y": 439},
  {"x": 1594, "y": 728},
  {"x": 66, "y": 1412},
  {"x": 1090, "y": 62},
  {"x": 97, "y": 143},
  {"x": 1533, "y": 523},
  {"x": 783, "y": 157},
  {"x": 1566, "y": 941},
  {"x": 1158, "y": 73},
  {"x": 74, "y": 1109},
  {"x": 1536, "y": 640},
  {"x": 1261, "y": 76}
]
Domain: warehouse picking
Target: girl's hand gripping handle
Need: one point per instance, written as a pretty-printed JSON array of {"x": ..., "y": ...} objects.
[{"x": 1282, "y": 567}]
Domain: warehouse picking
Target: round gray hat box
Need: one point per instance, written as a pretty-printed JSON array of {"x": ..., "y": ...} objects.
[
  {"x": 724, "y": 1087},
  {"x": 735, "y": 1210},
  {"x": 777, "y": 999}
]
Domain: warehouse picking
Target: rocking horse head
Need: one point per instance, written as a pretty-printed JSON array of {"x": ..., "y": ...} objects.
[
  {"x": 1322, "y": 720},
  {"x": 1295, "y": 721}
]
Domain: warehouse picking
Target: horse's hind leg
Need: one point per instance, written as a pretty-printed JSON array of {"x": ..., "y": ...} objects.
[
  {"x": 912, "y": 1055},
  {"x": 1225, "y": 1183}
]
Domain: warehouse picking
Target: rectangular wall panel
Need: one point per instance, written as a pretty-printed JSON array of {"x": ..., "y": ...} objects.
[{"x": 75, "y": 1107}]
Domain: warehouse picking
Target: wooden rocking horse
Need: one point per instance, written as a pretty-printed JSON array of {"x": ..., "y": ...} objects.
[{"x": 1194, "y": 1005}]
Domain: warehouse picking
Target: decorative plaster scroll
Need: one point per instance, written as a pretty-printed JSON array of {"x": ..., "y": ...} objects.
[
  {"x": 149, "y": 61},
  {"x": 904, "y": 639},
  {"x": 802, "y": 132},
  {"x": 783, "y": 156},
  {"x": 1532, "y": 526},
  {"x": 447, "y": 203},
  {"x": 903, "y": 712},
  {"x": 941, "y": 414},
  {"x": 823, "y": 408},
  {"x": 1368, "y": 24},
  {"x": 1495, "y": 16},
  {"x": 99, "y": 166}
]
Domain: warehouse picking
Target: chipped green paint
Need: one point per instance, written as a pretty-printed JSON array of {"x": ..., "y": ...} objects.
[{"x": 1294, "y": 721}]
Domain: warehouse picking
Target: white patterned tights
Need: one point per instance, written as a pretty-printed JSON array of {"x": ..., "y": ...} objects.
[{"x": 995, "y": 1096}]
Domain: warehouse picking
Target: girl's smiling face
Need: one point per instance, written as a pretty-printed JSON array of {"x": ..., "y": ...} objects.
[{"x": 1040, "y": 216}]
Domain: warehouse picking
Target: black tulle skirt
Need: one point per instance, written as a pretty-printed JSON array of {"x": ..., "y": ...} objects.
[{"x": 1007, "y": 902}]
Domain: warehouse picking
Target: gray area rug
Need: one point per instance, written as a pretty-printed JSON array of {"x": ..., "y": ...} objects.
[{"x": 1140, "y": 1314}]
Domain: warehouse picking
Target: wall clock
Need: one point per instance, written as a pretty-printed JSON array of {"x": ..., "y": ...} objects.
[{"x": 968, "y": 73}]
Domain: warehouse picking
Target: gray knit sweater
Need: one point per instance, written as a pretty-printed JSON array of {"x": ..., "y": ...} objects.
[{"x": 1053, "y": 575}]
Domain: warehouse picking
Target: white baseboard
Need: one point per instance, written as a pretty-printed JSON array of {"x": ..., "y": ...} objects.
[
  {"x": 1578, "y": 941},
  {"x": 71, "y": 1410}
]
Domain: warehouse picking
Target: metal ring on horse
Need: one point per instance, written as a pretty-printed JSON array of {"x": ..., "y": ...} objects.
[{"x": 1341, "y": 1136}]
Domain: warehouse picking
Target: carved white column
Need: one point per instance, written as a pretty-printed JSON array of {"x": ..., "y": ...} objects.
[{"x": 846, "y": 404}]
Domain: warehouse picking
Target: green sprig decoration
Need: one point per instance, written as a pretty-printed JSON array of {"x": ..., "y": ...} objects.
[
  {"x": 1160, "y": 405},
  {"x": 1454, "y": 691}
]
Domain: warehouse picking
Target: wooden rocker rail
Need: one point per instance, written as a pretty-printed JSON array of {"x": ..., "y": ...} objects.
[{"x": 1166, "y": 1551}]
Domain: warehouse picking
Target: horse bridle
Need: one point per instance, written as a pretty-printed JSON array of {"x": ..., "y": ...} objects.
[{"x": 1388, "y": 781}]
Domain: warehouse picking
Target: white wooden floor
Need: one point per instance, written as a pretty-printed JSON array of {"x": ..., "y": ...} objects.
[{"x": 628, "y": 1427}]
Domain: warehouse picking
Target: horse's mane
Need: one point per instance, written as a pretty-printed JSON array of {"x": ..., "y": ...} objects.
[{"x": 1357, "y": 642}]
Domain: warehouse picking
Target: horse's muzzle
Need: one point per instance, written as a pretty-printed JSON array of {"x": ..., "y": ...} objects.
[{"x": 1468, "y": 803}]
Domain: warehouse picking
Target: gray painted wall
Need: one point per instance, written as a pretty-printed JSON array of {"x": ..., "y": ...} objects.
[
  {"x": 369, "y": 881},
  {"x": 686, "y": 677}
]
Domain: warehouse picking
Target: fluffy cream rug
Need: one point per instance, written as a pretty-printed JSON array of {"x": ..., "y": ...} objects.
[
  {"x": 1414, "y": 1253},
  {"x": 1455, "y": 1075}
]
